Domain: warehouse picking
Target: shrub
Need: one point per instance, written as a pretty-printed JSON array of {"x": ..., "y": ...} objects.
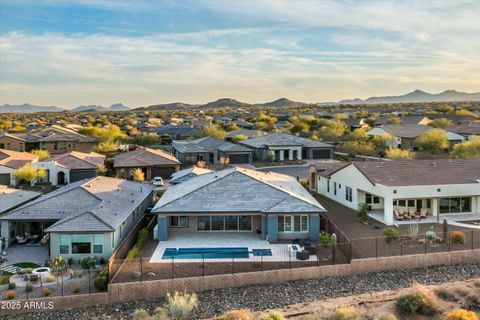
[
  {"x": 180, "y": 306},
  {"x": 345, "y": 313},
  {"x": 398, "y": 154},
  {"x": 101, "y": 280},
  {"x": 76, "y": 288},
  {"x": 457, "y": 237},
  {"x": 50, "y": 278},
  {"x": 29, "y": 270},
  {"x": 325, "y": 238},
  {"x": 431, "y": 235},
  {"x": 70, "y": 261},
  {"x": 419, "y": 301},
  {"x": 58, "y": 264},
  {"x": 390, "y": 234},
  {"x": 101, "y": 260},
  {"x": 241, "y": 314},
  {"x": 12, "y": 286},
  {"x": 272, "y": 315},
  {"x": 10, "y": 295},
  {"x": 28, "y": 288},
  {"x": 88, "y": 262},
  {"x": 362, "y": 212},
  {"x": 46, "y": 292},
  {"x": 445, "y": 294},
  {"x": 133, "y": 253},
  {"x": 136, "y": 275},
  {"x": 461, "y": 314}
]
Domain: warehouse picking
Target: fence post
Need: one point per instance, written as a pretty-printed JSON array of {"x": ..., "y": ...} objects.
[
  {"x": 173, "y": 267},
  {"x": 61, "y": 275},
  {"x": 376, "y": 247},
  {"x": 334, "y": 253},
  {"x": 472, "y": 238},
  {"x": 89, "y": 280},
  {"x": 425, "y": 237},
  {"x": 141, "y": 269},
  {"x": 290, "y": 260},
  {"x": 261, "y": 262},
  {"x": 233, "y": 263},
  {"x": 203, "y": 264},
  {"x": 401, "y": 247},
  {"x": 351, "y": 251},
  {"x": 449, "y": 242}
]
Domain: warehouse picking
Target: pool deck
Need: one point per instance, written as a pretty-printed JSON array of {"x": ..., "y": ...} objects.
[{"x": 225, "y": 240}]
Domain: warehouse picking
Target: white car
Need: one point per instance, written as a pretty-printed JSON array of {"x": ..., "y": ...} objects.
[{"x": 157, "y": 181}]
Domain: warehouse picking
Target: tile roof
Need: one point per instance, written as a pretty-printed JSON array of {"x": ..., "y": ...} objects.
[
  {"x": 417, "y": 172},
  {"x": 14, "y": 159},
  {"x": 144, "y": 157},
  {"x": 90, "y": 205},
  {"x": 207, "y": 144},
  {"x": 79, "y": 160},
  {"x": 283, "y": 139},
  {"x": 238, "y": 190},
  {"x": 54, "y": 133},
  {"x": 185, "y": 174},
  {"x": 406, "y": 130},
  {"x": 11, "y": 198},
  {"x": 472, "y": 127}
]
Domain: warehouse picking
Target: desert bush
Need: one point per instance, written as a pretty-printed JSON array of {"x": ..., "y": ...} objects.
[
  {"x": 462, "y": 314},
  {"x": 10, "y": 295},
  {"x": 46, "y": 292},
  {"x": 50, "y": 278},
  {"x": 12, "y": 286},
  {"x": 180, "y": 306},
  {"x": 241, "y": 314},
  {"x": 136, "y": 275},
  {"x": 362, "y": 212},
  {"x": 457, "y": 237},
  {"x": 272, "y": 315},
  {"x": 325, "y": 238},
  {"x": 101, "y": 280},
  {"x": 28, "y": 288},
  {"x": 419, "y": 301},
  {"x": 398, "y": 154},
  {"x": 446, "y": 295},
  {"x": 472, "y": 302},
  {"x": 345, "y": 313},
  {"x": 390, "y": 234},
  {"x": 88, "y": 262}
]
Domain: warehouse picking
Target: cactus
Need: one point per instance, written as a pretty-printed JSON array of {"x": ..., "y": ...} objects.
[
  {"x": 445, "y": 229},
  {"x": 333, "y": 239}
]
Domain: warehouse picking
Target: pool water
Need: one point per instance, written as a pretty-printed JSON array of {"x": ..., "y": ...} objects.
[{"x": 212, "y": 253}]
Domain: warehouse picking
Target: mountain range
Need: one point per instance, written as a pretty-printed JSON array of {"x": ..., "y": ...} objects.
[{"x": 414, "y": 96}]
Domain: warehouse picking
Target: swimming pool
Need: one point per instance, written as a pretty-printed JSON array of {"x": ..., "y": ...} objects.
[{"x": 212, "y": 253}]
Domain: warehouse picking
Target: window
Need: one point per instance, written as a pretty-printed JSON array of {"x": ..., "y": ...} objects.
[
  {"x": 411, "y": 203},
  {"x": 179, "y": 222},
  {"x": 328, "y": 185},
  {"x": 224, "y": 223},
  {"x": 371, "y": 199},
  {"x": 295, "y": 223},
  {"x": 81, "y": 247},
  {"x": 64, "y": 244},
  {"x": 401, "y": 203},
  {"x": 348, "y": 194},
  {"x": 334, "y": 188},
  {"x": 98, "y": 243},
  {"x": 455, "y": 205}
]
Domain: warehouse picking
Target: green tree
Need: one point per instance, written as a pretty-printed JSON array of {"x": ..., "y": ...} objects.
[
  {"x": 300, "y": 127},
  {"x": 106, "y": 147},
  {"x": 464, "y": 112},
  {"x": 382, "y": 140},
  {"x": 433, "y": 140},
  {"x": 138, "y": 175},
  {"x": 358, "y": 147},
  {"x": 357, "y": 135},
  {"x": 239, "y": 137},
  {"x": 397, "y": 154},
  {"x": 332, "y": 129},
  {"x": 446, "y": 109},
  {"x": 441, "y": 123},
  {"x": 213, "y": 131},
  {"x": 467, "y": 150},
  {"x": 394, "y": 120},
  {"x": 42, "y": 154}
]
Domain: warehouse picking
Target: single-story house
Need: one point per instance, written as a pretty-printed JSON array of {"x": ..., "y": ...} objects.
[
  {"x": 442, "y": 187},
  {"x": 288, "y": 147},
  {"x": 71, "y": 167},
  {"x": 11, "y": 161},
  {"x": 88, "y": 217},
  {"x": 176, "y": 131},
  {"x": 466, "y": 129},
  {"x": 405, "y": 134},
  {"x": 186, "y": 174},
  {"x": 237, "y": 199},
  {"x": 210, "y": 150},
  {"x": 153, "y": 162},
  {"x": 244, "y": 132}
]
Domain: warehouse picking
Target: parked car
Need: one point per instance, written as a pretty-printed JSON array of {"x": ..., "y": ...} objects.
[{"x": 157, "y": 181}]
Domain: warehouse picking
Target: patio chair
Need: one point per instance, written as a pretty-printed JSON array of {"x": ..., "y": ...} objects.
[
  {"x": 296, "y": 241},
  {"x": 411, "y": 212},
  {"x": 20, "y": 271},
  {"x": 293, "y": 249},
  {"x": 303, "y": 255},
  {"x": 398, "y": 216},
  {"x": 423, "y": 213},
  {"x": 310, "y": 248},
  {"x": 400, "y": 211},
  {"x": 21, "y": 239}
]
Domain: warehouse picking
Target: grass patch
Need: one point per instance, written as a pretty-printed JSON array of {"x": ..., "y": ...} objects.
[{"x": 25, "y": 265}]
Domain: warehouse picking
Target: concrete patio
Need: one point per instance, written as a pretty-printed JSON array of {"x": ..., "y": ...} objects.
[
  {"x": 26, "y": 253},
  {"x": 222, "y": 239}
]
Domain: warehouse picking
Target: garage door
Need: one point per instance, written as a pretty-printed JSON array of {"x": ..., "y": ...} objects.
[
  {"x": 165, "y": 172},
  {"x": 321, "y": 154},
  {"x": 238, "y": 158},
  {"x": 77, "y": 175},
  {"x": 5, "y": 178}
]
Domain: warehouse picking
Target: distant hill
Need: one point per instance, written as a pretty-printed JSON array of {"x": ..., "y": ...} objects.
[
  {"x": 27, "y": 108},
  {"x": 226, "y": 103},
  {"x": 419, "y": 96},
  {"x": 282, "y": 102},
  {"x": 97, "y": 108},
  {"x": 170, "y": 106}
]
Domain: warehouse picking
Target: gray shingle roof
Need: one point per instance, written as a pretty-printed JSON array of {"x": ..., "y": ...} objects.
[
  {"x": 207, "y": 144},
  {"x": 11, "y": 198},
  {"x": 97, "y": 204},
  {"x": 238, "y": 190},
  {"x": 406, "y": 130},
  {"x": 79, "y": 160},
  {"x": 283, "y": 139},
  {"x": 144, "y": 157}
]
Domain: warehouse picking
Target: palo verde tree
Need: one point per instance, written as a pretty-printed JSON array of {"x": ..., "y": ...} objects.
[{"x": 433, "y": 140}]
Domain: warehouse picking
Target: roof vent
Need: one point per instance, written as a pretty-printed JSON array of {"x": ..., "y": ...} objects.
[{"x": 434, "y": 164}]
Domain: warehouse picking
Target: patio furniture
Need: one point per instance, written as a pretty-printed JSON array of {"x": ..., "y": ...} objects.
[
  {"x": 411, "y": 213},
  {"x": 310, "y": 248},
  {"x": 398, "y": 216},
  {"x": 423, "y": 213},
  {"x": 32, "y": 277},
  {"x": 296, "y": 241},
  {"x": 303, "y": 255},
  {"x": 20, "y": 271},
  {"x": 21, "y": 239},
  {"x": 293, "y": 249}
]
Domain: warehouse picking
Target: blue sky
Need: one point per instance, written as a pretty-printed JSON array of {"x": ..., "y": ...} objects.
[{"x": 69, "y": 53}]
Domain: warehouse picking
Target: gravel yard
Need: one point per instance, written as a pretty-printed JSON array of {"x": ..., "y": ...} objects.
[{"x": 270, "y": 296}]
